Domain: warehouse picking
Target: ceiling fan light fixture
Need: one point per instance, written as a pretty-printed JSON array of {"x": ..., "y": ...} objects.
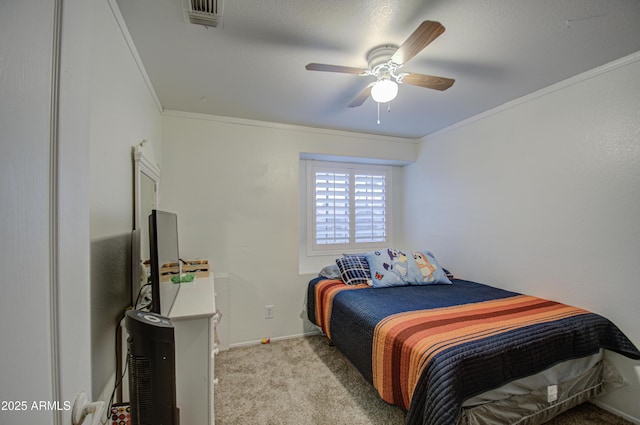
[{"x": 384, "y": 90}]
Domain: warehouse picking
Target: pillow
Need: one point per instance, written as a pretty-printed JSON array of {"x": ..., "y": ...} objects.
[
  {"x": 389, "y": 268},
  {"x": 330, "y": 272},
  {"x": 354, "y": 269},
  {"x": 393, "y": 267},
  {"x": 430, "y": 269}
]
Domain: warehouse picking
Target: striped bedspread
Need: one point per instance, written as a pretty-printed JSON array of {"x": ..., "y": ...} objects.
[
  {"x": 324, "y": 295},
  {"x": 405, "y": 343},
  {"x": 429, "y": 348}
]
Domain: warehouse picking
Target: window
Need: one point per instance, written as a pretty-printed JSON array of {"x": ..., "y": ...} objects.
[{"x": 348, "y": 207}]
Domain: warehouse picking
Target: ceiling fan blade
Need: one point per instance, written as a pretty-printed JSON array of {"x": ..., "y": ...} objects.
[
  {"x": 421, "y": 37},
  {"x": 361, "y": 97},
  {"x": 334, "y": 68},
  {"x": 428, "y": 81}
]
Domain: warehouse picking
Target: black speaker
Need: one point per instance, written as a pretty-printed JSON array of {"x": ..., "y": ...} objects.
[{"x": 152, "y": 369}]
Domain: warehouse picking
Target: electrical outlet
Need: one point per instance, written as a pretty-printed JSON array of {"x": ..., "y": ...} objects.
[{"x": 268, "y": 312}]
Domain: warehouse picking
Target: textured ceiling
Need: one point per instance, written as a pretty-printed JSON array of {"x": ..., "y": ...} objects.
[{"x": 253, "y": 65}]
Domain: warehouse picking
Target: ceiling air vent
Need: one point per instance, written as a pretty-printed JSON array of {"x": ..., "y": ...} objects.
[{"x": 203, "y": 12}]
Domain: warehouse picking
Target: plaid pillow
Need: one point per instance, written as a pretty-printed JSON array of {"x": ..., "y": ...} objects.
[{"x": 354, "y": 269}]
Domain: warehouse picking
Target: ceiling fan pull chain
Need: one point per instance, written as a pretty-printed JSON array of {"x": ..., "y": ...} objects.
[{"x": 378, "y": 113}]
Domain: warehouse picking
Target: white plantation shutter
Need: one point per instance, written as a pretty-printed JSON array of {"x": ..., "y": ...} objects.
[
  {"x": 348, "y": 208},
  {"x": 331, "y": 207},
  {"x": 370, "y": 207}
]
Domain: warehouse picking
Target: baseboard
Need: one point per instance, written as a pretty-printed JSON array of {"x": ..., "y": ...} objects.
[
  {"x": 616, "y": 412},
  {"x": 278, "y": 338}
]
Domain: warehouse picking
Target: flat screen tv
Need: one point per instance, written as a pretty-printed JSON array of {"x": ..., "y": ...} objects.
[{"x": 165, "y": 260}]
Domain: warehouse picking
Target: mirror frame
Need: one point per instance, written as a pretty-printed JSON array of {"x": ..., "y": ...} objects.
[{"x": 143, "y": 165}]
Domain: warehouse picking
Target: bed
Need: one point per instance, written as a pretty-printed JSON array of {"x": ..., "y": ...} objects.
[{"x": 466, "y": 352}]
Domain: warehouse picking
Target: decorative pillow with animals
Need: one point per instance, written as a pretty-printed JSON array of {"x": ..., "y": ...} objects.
[
  {"x": 393, "y": 267},
  {"x": 430, "y": 269}
]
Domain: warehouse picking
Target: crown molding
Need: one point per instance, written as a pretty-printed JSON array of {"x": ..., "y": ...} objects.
[{"x": 290, "y": 127}]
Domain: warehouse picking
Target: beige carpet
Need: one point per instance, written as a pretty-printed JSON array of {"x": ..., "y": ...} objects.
[{"x": 304, "y": 381}]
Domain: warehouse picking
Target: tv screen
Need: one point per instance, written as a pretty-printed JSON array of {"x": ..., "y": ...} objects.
[{"x": 165, "y": 260}]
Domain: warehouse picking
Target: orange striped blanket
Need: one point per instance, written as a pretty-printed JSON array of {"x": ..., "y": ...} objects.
[
  {"x": 406, "y": 342},
  {"x": 324, "y": 295}
]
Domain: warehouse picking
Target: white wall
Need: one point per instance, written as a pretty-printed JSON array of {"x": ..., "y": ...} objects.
[
  {"x": 234, "y": 185},
  {"x": 72, "y": 163},
  {"x": 542, "y": 196},
  {"x": 123, "y": 113}
]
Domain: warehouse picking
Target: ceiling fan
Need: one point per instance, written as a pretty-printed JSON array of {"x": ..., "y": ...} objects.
[{"x": 385, "y": 62}]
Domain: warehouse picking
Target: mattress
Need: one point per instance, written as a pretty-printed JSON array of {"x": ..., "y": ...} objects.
[
  {"x": 561, "y": 372},
  {"x": 530, "y": 401}
]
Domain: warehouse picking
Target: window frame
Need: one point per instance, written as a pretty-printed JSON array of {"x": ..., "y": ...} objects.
[{"x": 314, "y": 248}]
